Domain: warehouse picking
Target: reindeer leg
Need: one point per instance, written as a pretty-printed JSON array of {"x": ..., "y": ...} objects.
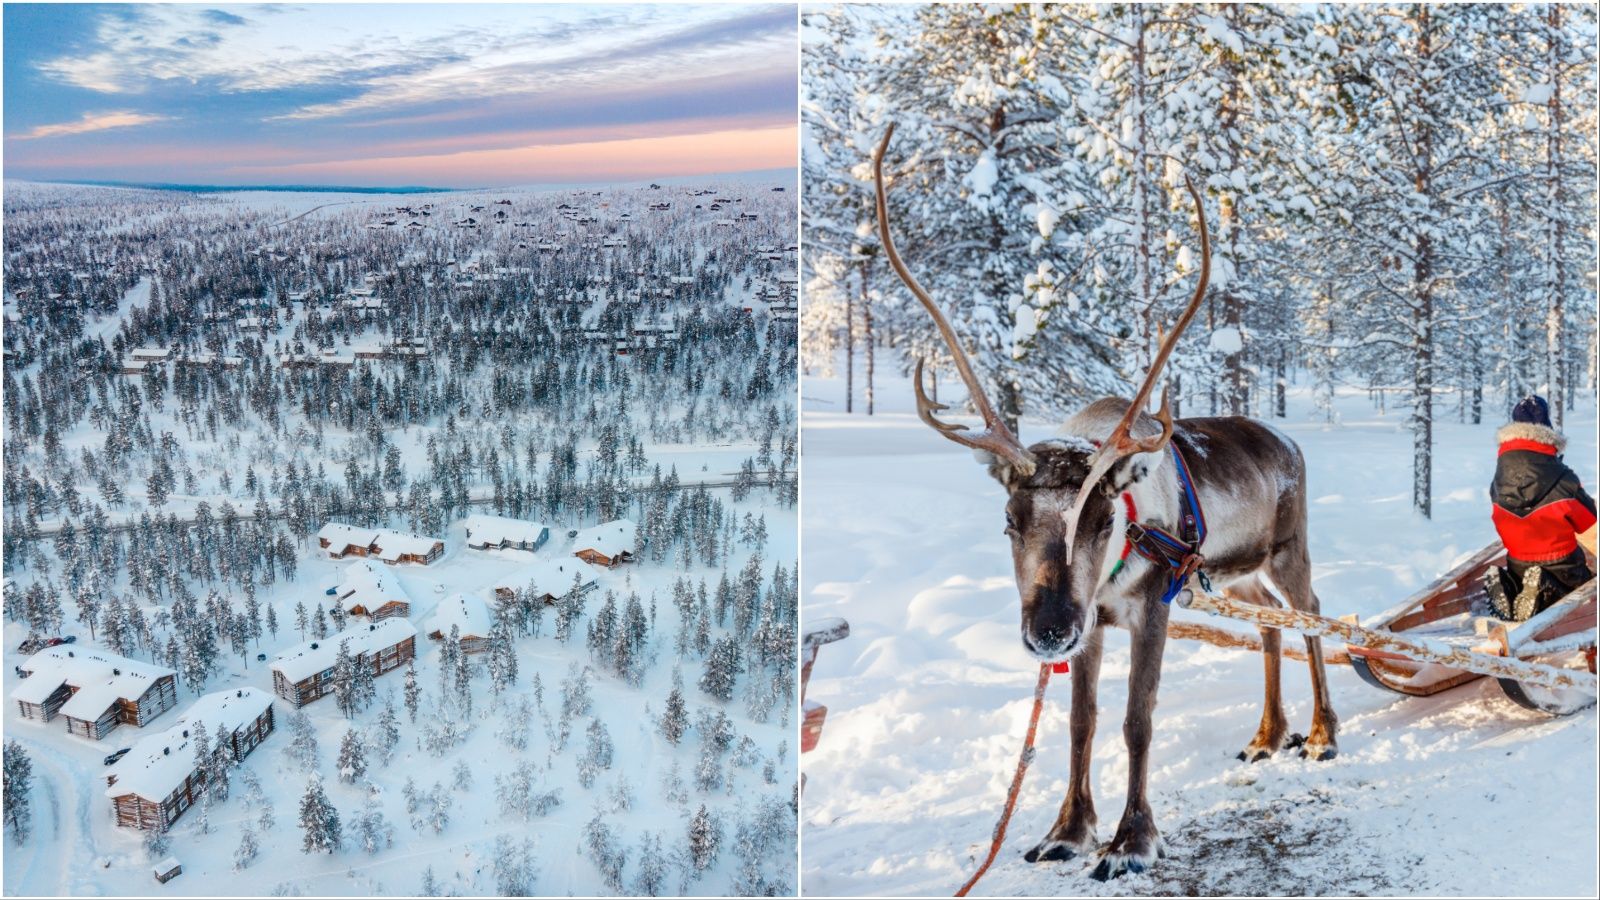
[
  {"x": 1073, "y": 833},
  {"x": 1270, "y": 735},
  {"x": 1137, "y": 843},
  {"x": 1291, "y": 572}
]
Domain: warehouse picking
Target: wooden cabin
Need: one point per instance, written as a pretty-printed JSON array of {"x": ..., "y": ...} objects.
[
  {"x": 305, "y": 673},
  {"x": 393, "y": 547},
  {"x": 370, "y": 590},
  {"x": 467, "y": 614},
  {"x": 486, "y": 532},
  {"x": 94, "y": 691},
  {"x": 551, "y": 579},
  {"x": 156, "y": 782},
  {"x": 167, "y": 869},
  {"x": 608, "y": 545}
]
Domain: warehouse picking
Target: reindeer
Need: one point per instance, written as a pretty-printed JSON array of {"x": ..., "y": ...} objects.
[{"x": 1070, "y": 518}]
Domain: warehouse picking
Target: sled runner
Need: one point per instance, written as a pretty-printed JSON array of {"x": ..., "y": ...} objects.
[{"x": 1454, "y": 610}]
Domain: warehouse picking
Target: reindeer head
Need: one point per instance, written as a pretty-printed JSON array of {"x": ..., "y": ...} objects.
[{"x": 1058, "y": 512}]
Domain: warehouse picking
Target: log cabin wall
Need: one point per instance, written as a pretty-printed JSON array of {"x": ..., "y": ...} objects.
[
  {"x": 49, "y": 708},
  {"x": 162, "y": 696}
]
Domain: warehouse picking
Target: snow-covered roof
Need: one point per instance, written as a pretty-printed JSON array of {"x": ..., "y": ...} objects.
[
  {"x": 158, "y": 763},
  {"x": 552, "y": 576},
  {"x": 340, "y": 535},
  {"x": 394, "y": 544},
  {"x": 370, "y": 586},
  {"x": 610, "y": 538},
  {"x": 305, "y": 660},
  {"x": 484, "y": 528},
  {"x": 100, "y": 678},
  {"x": 464, "y": 611},
  {"x": 391, "y": 544}
]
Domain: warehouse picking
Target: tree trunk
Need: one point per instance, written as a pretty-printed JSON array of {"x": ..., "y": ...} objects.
[
  {"x": 1280, "y": 382},
  {"x": 850, "y": 344},
  {"x": 1555, "y": 322},
  {"x": 868, "y": 341},
  {"x": 1422, "y": 308},
  {"x": 1228, "y": 230}
]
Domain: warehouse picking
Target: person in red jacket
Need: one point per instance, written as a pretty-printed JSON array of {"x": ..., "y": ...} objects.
[{"x": 1544, "y": 516}]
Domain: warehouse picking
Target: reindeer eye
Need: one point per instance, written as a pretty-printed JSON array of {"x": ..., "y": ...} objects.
[{"x": 1011, "y": 523}]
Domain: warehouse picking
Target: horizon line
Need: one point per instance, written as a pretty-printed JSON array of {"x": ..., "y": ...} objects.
[{"x": 199, "y": 188}]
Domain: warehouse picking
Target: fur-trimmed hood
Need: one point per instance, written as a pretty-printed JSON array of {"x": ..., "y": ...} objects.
[{"x": 1528, "y": 431}]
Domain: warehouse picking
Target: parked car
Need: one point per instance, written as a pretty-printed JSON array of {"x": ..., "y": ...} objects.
[
  {"x": 333, "y": 592},
  {"x": 261, "y": 657},
  {"x": 113, "y": 757},
  {"x": 70, "y": 639},
  {"x": 55, "y": 642}
]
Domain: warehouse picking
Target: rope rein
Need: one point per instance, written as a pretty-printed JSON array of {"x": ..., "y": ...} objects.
[{"x": 1016, "y": 780}]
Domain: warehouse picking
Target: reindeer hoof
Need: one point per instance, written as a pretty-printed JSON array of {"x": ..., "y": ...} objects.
[
  {"x": 1319, "y": 753},
  {"x": 1049, "y": 851},
  {"x": 1052, "y": 849},
  {"x": 1115, "y": 865},
  {"x": 1254, "y": 756}
]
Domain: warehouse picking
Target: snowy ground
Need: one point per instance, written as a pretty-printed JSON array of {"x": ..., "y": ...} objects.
[{"x": 1460, "y": 794}]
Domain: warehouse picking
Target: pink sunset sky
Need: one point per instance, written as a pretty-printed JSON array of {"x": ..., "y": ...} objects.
[{"x": 459, "y": 96}]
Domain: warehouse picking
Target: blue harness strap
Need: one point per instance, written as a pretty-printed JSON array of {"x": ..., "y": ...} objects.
[{"x": 1181, "y": 552}]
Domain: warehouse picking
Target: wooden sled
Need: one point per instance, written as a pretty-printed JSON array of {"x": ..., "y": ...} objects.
[
  {"x": 1454, "y": 610},
  {"x": 814, "y": 715}
]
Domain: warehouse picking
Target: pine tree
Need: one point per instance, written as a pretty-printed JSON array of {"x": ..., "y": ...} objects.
[
  {"x": 319, "y": 821},
  {"x": 705, "y": 839},
  {"x": 373, "y": 831},
  {"x": 249, "y": 847},
  {"x": 722, "y": 669},
  {"x": 18, "y": 771},
  {"x": 413, "y": 691},
  {"x": 675, "y": 720},
  {"x": 386, "y": 731},
  {"x": 352, "y": 761}
]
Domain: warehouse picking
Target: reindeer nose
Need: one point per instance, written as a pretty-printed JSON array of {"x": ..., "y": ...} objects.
[{"x": 1051, "y": 641}]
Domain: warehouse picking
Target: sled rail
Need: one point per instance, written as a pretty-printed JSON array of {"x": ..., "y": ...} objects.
[{"x": 1381, "y": 643}]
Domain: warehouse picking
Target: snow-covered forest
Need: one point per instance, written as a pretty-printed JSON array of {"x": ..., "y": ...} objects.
[
  {"x": 1401, "y": 196},
  {"x": 196, "y": 384}
]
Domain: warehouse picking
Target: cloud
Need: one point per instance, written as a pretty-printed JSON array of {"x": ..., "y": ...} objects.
[
  {"x": 222, "y": 17},
  {"x": 91, "y": 122},
  {"x": 421, "y": 54}
]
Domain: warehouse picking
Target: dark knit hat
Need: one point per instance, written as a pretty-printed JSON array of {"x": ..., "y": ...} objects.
[{"x": 1532, "y": 409}]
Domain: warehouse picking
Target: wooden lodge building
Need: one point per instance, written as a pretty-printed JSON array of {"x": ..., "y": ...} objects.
[
  {"x": 608, "y": 545},
  {"x": 370, "y": 590},
  {"x": 470, "y": 617},
  {"x": 93, "y": 690},
  {"x": 156, "y": 782},
  {"x": 486, "y": 532},
  {"x": 392, "y": 547},
  {"x": 305, "y": 673},
  {"x": 551, "y": 579}
]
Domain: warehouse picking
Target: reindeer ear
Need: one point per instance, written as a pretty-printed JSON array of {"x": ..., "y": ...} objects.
[
  {"x": 1003, "y": 472},
  {"x": 1125, "y": 474}
]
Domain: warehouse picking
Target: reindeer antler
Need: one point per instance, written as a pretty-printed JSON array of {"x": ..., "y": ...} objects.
[
  {"x": 996, "y": 438},
  {"x": 1122, "y": 444}
]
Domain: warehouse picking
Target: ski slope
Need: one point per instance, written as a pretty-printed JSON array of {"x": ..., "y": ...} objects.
[{"x": 1460, "y": 794}]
